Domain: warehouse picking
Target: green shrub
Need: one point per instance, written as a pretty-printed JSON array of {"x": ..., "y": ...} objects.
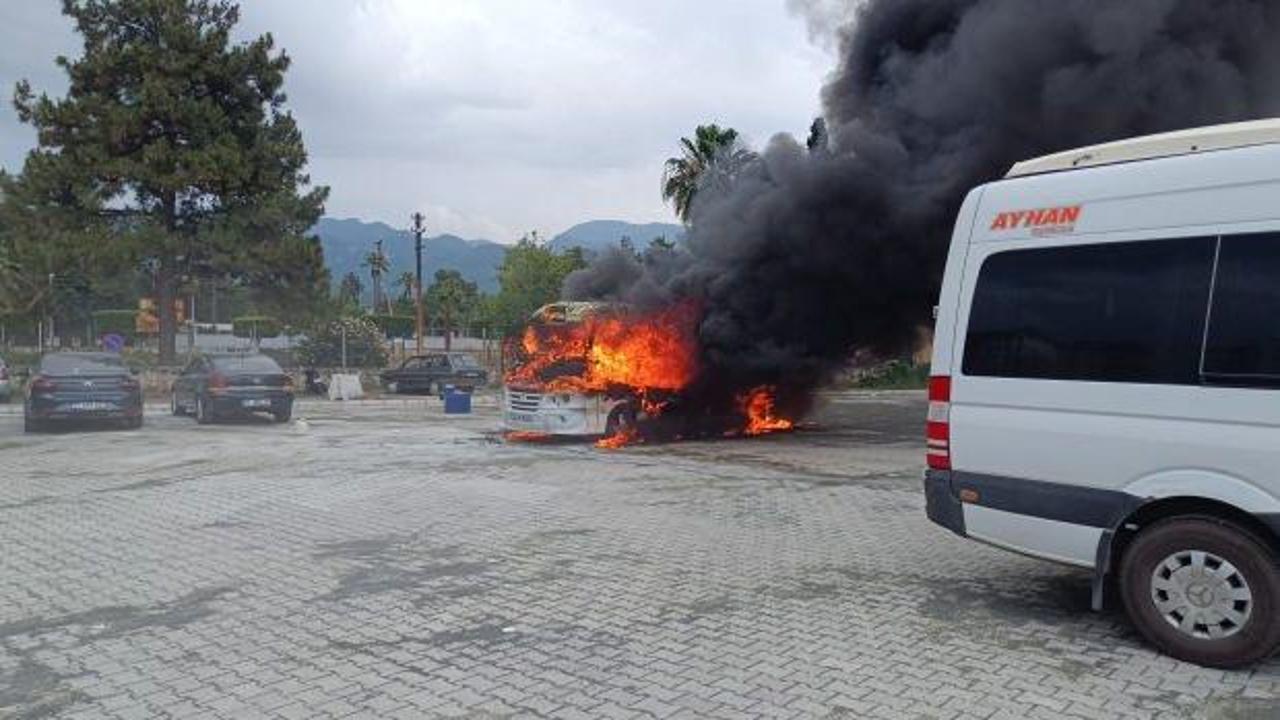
[
  {"x": 116, "y": 322},
  {"x": 255, "y": 326},
  {"x": 323, "y": 346},
  {"x": 395, "y": 326},
  {"x": 894, "y": 375}
]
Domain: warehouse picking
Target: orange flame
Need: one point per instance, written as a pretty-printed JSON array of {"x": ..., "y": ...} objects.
[
  {"x": 526, "y": 436},
  {"x": 656, "y": 351},
  {"x": 758, "y": 407},
  {"x": 622, "y": 438}
]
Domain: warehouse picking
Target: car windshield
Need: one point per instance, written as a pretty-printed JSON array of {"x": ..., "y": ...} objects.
[
  {"x": 247, "y": 364},
  {"x": 81, "y": 364}
]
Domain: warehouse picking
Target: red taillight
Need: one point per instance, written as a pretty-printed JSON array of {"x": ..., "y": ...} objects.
[
  {"x": 41, "y": 383},
  {"x": 218, "y": 381},
  {"x": 938, "y": 428}
]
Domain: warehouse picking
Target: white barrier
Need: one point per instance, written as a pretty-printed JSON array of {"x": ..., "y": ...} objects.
[{"x": 345, "y": 387}]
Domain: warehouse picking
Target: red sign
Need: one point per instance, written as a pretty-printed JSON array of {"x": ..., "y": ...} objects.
[{"x": 1043, "y": 221}]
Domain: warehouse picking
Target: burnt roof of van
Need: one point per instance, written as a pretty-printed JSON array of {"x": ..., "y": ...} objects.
[{"x": 1181, "y": 142}]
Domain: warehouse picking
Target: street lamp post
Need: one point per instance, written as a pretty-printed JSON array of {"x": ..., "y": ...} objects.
[{"x": 417, "y": 285}]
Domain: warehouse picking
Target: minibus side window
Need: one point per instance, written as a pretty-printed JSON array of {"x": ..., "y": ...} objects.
[
  {"x": 1243, "y": 345},
  {"x": 1115, "y": 312}
]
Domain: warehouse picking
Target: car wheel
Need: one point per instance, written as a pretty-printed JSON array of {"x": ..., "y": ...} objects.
[
  {"x": 204, "y": 413},
  {"x": 1203, "y": 590},
  {"x": 283, "y": 416}
]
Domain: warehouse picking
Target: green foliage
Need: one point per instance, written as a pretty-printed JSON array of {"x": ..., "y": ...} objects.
[
  {"x": 364, "y": 341},
  {"x": 711, "y": 160},
  {"x": 893, "y": 375},
  {"x": 117, "y": 322},
  {"x": 379, "y": 265},
  {"x": 451, "y": 298},
  {"x": 172, "y": 150},
  {"x": 395, "y": 326},
  {"x": 256, "y": 327},
  {"x": 349, "y": 291},
  {"x": 405, "y": 282},
  {"x": 530, "y": 277}
]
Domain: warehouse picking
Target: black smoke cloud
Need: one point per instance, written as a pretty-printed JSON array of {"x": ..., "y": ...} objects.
[{"x": 813, "y": 255}]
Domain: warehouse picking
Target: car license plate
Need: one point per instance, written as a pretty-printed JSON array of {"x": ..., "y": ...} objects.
[
  {"x": 89, "y": 406},
  {"x": 256, "y": 402},
  {"x": 519, "y": 417}
]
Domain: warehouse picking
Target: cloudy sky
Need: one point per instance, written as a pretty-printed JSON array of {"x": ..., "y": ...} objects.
[{"x": 495, "y": 117}]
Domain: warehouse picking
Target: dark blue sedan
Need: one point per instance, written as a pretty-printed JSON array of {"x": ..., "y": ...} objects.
[{"x": 75, "y": 387}]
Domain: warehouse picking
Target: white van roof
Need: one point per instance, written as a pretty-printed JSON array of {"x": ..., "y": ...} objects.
[{"x": 1182, "y": 142}]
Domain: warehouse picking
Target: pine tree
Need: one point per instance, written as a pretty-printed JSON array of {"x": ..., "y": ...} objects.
[{"x": 176, "y": 141}]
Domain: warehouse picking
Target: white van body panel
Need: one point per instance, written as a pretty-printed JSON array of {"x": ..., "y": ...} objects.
[
  {"x": 569, "y": 414},
  {"x": 1062, "y": 542},
  {"x": 1143, "y": 440},
  {"x": 945, "y": 322}
]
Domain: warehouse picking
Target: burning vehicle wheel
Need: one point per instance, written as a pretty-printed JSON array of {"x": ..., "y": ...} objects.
[{"x": 622, "y": 421}]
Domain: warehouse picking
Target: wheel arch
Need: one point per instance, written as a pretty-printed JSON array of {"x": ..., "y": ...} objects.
[
  {"x": 1156, "y": 510},
  {"x": 1116, "y": 540}
]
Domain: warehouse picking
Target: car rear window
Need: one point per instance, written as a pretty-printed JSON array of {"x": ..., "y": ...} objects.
[
  {"x": 465, "y": 362},
  {"x": 1244, "y": 324},
  {"x": 78, "y": 364},
  {"x": 1116, "y": 312},
  {"x": 247, "y": 364}
]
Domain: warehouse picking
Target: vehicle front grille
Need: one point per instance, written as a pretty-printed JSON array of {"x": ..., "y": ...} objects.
[{"x": 523, "y": 402}]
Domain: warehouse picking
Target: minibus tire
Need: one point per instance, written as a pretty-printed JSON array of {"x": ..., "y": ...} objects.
[
  {"x": 1256, "y": 564},
  {"x": 622, "y": 418}
]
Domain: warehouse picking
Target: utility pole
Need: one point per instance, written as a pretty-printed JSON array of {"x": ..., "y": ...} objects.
[{"x": 417, "y": 285}]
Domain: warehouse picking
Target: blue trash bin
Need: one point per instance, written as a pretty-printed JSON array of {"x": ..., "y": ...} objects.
[{"x": 456, "y": 402}]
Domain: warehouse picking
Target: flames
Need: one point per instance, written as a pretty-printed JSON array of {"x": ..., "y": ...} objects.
[
  {"x": 759, "y": 408},
  {"x": 651, "y": 358},
  {"x": 611, "y": 351}
]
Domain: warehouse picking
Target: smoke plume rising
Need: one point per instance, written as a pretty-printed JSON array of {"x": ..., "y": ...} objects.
[{"x": 815, "y": 253}]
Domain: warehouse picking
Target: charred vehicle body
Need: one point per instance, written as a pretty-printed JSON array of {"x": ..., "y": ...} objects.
[{"x": 548, "y": 391}]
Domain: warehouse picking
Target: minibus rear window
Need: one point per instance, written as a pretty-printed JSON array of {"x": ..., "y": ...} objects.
[
  {"x": 1115, "y": 312},
  {"x": 1244, "y": 324}
]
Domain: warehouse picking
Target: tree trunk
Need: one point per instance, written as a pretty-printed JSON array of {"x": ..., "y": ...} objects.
[
  {"x": 165, "y": 290},
  {"x": 165, "y": 297}
]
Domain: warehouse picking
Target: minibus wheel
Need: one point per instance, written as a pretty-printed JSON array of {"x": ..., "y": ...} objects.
[
  {"x": 621, "y": 419},
  {"x": 1204, "y": 590}
]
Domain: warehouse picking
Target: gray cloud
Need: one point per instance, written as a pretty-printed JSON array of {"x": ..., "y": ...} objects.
[{"x": 500, "y": 116}]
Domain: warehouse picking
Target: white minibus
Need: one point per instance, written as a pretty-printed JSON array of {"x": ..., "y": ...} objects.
[{"x": 1106, "y": 380}]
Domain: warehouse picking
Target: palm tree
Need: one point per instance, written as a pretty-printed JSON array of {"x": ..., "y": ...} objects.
[
  {"x": 350, "y": 289},
  {"x": 713, "y": 158},
  {"x": 406, "y": 282},
  {"x": 452, "y": 297},
  {"x": 378, "y": 265}
]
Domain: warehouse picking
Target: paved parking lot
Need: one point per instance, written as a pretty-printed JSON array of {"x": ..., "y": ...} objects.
[{"x": 381, "y": 560}]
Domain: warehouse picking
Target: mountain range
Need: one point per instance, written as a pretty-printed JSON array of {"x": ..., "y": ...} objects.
[{"x": 347, "y": 241}]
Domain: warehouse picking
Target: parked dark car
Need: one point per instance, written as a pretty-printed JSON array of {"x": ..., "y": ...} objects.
[
  {"x": 425, "y": 373},
  {"x": 212, "y": 387},
  {"x": 70, "y": 387}
]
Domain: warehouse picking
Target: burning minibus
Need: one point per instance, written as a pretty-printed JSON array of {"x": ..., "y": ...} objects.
[{"x": 589, "y": 368}]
